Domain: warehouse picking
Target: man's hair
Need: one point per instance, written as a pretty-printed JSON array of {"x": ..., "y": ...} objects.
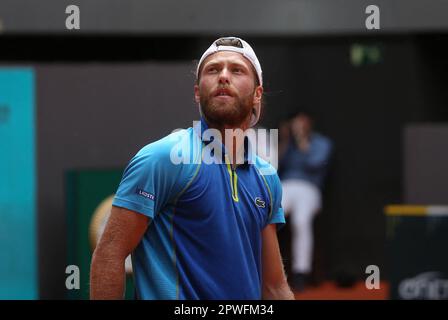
[
  {"x": 302, "y": 110},
  {"x": 229, "y": 42}
]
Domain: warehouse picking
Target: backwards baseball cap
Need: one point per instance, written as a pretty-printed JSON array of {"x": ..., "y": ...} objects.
[{"x": 237, "y": 45}]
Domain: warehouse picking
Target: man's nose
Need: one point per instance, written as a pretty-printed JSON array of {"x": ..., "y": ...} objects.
[{"x": 224, "y": 76}]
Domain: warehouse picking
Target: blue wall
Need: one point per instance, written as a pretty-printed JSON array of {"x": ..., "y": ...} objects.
[{"x": 18, "y": 241}]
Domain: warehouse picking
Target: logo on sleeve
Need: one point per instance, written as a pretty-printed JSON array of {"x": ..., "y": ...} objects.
[
  {"x": 260, "y": 203},
  {"x": 145, "y": 194}
]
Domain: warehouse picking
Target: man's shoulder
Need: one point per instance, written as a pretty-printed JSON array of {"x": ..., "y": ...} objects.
[
  {"x": 164, "y": 158},
  {"x": 266, "y": 169},
  {"x": 322, "y": 139},
  {"x": 164, "y": 147}
]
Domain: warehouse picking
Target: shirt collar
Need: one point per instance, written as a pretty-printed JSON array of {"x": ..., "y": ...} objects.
[{"x": 249, "y": 154}]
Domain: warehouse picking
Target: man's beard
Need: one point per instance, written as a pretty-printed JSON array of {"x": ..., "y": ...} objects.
[{"x": 221, "y": 113}]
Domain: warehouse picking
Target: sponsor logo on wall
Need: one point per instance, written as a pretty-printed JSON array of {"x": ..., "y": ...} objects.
[{"x": 424, "y": 286}]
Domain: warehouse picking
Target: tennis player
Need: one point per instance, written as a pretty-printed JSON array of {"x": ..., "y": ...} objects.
[{"x": 199, "y": 229}]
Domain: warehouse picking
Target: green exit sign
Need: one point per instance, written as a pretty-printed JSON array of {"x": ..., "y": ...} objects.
[{"x": 361, "y": 55}]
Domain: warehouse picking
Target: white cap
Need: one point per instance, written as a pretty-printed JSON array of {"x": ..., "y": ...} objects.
[{"x": 241, "y": 47}]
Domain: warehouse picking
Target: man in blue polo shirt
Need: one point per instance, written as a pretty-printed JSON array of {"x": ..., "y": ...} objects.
[{"x": 199, "y": 224}]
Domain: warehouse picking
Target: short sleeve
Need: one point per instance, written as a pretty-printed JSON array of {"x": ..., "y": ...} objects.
[
  {"x": 151, "y": 180},
  {"x": 277, "y": 215}
]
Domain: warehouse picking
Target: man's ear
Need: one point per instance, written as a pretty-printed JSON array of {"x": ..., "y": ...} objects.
[
  {"x": 197, "y": 96},
  {"x": 258, "y": 94},
  {"x": 255, "y": 116},
  {"x": 256, "y": 110}
]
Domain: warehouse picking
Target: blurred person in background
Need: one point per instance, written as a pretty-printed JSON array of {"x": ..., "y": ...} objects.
[{"x": 303, "y": 161}]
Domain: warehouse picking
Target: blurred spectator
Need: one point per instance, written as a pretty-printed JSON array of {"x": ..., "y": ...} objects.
[{"x": 303, "y": 161}]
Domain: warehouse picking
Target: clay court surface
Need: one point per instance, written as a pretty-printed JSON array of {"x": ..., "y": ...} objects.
[{"x": 330, "y": 291}]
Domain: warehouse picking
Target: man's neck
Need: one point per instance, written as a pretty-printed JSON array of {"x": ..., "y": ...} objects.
[{"x": 233, "y": 141}]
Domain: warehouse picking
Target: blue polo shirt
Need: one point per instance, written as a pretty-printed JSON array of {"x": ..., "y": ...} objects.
[{"x": 204, "y": 240}]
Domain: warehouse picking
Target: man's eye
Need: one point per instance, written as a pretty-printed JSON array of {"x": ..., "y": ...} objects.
[
  {"x": 237, "y": 70},
  {"x": 212, "y": 69}
]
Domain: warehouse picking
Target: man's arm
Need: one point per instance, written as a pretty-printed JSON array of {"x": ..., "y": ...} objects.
[
  {"x": 122, "y": 234},
  {"x": 275, "y": 285}
]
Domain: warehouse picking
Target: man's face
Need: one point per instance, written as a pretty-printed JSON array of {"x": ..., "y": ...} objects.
[
  {"x": 227, "y": 89},
  {"x": 302, "y": 125}
]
